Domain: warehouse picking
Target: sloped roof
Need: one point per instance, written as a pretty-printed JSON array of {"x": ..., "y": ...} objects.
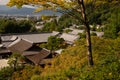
[
  {"x": 36, "y": 59},
  {"x": 76, "y": 31},
  {"x": 29, "y": 53},
  {"x": 32, "y": 51},
  {"x": 6, "y": 38},
  {"x": 59, "y": 51},
  {"x": 13, "y": 38},
  {"x": 100, "y": 34},
  {"x": 4, "y": 51},
  {"x": 19, "y": 45},
  {"x": 36, "y": 38},
  {"x": 55, "y": 33},
  {"x": 69, "y": 37},
  {"x": 32, "y": 37},
  {"x": 9, "y": 38}
]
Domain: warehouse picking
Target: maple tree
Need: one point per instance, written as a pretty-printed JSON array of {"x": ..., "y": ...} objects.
[{"x": 63, "y": 6}]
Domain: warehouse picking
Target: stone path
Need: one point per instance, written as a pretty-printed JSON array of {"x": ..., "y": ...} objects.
[{"x": 3, "y": 63}]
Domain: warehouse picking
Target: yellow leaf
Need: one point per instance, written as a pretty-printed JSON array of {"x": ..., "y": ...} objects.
[
  {"x": 10, "y": 4},
  {"x": 43, "y": 2}
]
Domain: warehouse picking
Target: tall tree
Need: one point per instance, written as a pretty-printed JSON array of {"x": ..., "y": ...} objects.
[
  {"x": 54, "y": 43},
  {"x": 63, "y": 6},
  {"x": 88, "y": 39}
]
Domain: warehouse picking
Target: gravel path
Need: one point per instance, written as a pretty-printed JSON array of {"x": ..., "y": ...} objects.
[{"x": 3, "y": 63}]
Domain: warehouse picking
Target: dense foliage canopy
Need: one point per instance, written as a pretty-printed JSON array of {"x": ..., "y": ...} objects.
[
  {"x": 54, "y": 43},
  {"x": 13, "y": 26}
]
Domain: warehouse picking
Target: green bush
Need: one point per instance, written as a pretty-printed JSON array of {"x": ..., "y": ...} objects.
[
  {"x": 6, "y": 73},
  {"x": 35, "y": 77}
]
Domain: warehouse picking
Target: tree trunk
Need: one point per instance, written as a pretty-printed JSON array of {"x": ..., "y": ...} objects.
[
  {"x": 0, "y": 39},
  {"x": 87, "y": 27},
  {"x": 15, "y": 65},
  {"x": 89, "y": 48}
]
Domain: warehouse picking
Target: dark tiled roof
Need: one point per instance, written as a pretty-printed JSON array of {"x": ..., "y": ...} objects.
[
  {"x": 4, "y": 51},
  {"x": 38, "y": 57},
  {"x": 29, "y": 50},
  {"x": 29, "y": 53},
  {"x": 24, "y": 45},
  {"x": 19, "y": 45},
  {"x": 32, "y": 51}
]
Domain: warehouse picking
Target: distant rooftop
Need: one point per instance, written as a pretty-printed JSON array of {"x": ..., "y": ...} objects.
[
  {"x": 76, "y": 31},
  {"x": 31, "y": 37},
  {"x": 69, "y": 37}
]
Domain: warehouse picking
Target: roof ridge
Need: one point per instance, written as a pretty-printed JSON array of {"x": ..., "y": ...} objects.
[{"x": 24, "y": 33}]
